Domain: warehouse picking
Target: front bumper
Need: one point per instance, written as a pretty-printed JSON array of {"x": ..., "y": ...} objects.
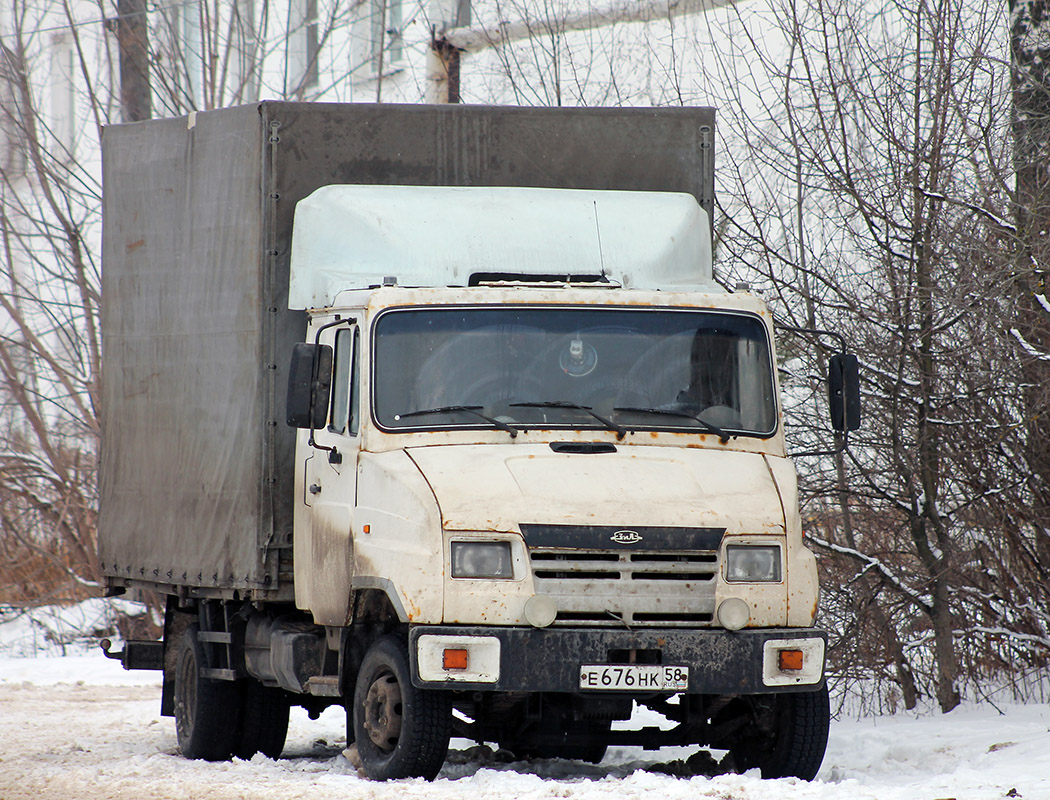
[{"x": 549, "y": 659}]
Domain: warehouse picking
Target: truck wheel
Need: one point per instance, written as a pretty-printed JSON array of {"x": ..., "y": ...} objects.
[
  {"x": 207, "y": 711},
  {"x": 795, "y": 727},
  {"x": 401, "y": 731},
  {"x": 264, "y": 723}
]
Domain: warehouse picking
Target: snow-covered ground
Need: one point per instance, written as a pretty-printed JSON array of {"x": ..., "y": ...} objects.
[{"x": 81, "y": 727}]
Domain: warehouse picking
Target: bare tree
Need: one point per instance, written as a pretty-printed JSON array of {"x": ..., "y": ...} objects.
[
  {"x": 67, "y": 69},
  {"x": 49, "y": 343},
  {"x": 1030, "y": 120},
  {"x": 894, "y": 131}
]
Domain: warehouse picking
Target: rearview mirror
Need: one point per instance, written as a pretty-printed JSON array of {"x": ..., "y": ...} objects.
[
  {"x": 309, "y": 385},
  {"x": 844, "y": 392}
]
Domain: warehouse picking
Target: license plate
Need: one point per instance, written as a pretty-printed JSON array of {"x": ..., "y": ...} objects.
[{"x": 632, "y": 677}]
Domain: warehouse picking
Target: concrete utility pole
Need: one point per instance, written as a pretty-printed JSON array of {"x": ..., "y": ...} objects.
[
  {"x": 456, "y": 37},
  {"x": 132, "y": 31}
]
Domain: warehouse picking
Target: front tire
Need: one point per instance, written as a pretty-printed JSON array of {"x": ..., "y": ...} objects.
[
  {"x": 208, "y": 712},
  {"x": 401, "y": 731},
  {"x": 789, "y": 735}
]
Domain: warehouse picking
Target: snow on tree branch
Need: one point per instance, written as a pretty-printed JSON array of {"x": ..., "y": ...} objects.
[
  {"x": 1027, "y": 347},
  {"x": 875, "y": 564}
]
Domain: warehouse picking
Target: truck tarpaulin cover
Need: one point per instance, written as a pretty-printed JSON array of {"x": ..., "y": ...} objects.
[{"x": 197, "y": 464}]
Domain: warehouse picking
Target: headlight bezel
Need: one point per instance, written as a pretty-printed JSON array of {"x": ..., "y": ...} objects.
[
  {"x": 754, "y": 562},
  {"x": 464, "y": 551}
]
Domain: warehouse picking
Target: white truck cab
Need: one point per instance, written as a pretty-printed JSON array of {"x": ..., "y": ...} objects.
[{"x": 563, "y": 479}]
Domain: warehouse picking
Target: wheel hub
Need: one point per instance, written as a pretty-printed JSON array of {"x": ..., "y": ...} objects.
[{"x": 383, "y": 712}]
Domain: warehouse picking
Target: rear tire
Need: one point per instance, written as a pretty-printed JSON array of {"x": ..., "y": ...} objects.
[
  {"x": 264, "y": 723},
  {"x": 789, "y": 735},
  {"x": 401, "y": 731},
  {"x": 208, "y": 712}
]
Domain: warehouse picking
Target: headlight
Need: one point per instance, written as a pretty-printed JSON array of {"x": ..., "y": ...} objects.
[
  {"x": 482, "y": 560},
  {"x": 753, "y": 564}
]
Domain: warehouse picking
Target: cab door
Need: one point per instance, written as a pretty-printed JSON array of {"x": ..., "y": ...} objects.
[{"x": 323, "y": 545}]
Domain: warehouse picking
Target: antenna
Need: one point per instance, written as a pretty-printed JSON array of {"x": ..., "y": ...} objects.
[{"x": 598, "y": 230}]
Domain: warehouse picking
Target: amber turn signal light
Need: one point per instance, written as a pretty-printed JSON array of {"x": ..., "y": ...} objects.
[
  {"x": 790, "y": 660},
  {"x": 457, "y": 659}
]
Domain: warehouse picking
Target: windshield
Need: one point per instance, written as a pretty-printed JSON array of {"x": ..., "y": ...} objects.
[{"x": 578, "y": 367}]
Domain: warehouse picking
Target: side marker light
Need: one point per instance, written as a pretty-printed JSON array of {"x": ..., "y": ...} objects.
[
  {"x": 455, "y": 659},
  {"x": 790, "y": 660}
]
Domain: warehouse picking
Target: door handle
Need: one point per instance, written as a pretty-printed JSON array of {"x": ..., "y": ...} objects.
[{"x": 315, "y": 488}]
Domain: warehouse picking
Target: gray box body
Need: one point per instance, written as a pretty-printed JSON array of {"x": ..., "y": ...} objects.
[{"x": 196, "y": 473}]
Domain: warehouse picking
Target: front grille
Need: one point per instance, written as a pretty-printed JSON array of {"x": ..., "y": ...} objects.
[
  {"x": 624, "y": 566},
  {"x": 632, "y": 587}
]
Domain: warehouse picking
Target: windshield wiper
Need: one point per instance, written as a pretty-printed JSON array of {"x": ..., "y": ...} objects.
[
  {"x": 608, "y": 423},
  {"x": 723, "y": 437},
  {"x": 495, "y": 423}
]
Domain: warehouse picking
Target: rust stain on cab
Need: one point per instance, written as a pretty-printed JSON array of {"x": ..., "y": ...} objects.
[{"x": 413, "y": 611}]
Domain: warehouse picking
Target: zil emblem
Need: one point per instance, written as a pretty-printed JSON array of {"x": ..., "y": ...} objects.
[{"x": 626, "y": 537}]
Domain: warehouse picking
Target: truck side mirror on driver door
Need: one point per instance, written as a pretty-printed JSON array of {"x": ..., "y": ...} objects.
[
  {"x": 309, "y": 385},
  {"x": 844, "y": 392}
]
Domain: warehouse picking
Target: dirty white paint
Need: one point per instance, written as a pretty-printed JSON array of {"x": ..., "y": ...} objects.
[
  {"x": 440, "y": 236},
  {"x": 418, "y": 490}
]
